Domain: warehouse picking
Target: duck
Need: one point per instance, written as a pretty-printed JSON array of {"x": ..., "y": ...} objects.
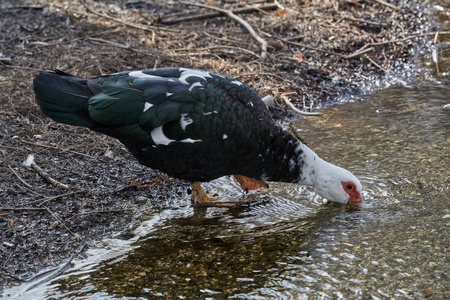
[{"x": 193, "y": 125}]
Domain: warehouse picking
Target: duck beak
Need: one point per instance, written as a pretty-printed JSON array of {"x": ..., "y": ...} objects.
[{"x": 355, "y": 198}]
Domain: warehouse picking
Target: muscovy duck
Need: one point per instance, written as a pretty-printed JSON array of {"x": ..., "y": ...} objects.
[{"x": 193, "y": 125}]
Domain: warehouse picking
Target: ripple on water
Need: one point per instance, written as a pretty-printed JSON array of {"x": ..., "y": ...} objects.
[{"x": 280, "y": 206}]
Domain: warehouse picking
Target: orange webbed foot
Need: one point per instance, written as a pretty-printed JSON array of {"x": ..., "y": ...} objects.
[
  {"x": 199, "y": 195},
  {"x": 248, "y": 183}
]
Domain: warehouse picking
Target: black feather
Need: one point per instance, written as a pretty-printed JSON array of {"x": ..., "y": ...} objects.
[
  {"x": 188, "y": 123},
  {"x": 63, "y": 97}
]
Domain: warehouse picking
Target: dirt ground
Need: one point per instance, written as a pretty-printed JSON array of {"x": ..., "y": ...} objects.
[{"x": 318, "y": 52}]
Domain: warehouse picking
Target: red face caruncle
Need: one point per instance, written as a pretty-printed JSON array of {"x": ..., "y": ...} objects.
[{"x": 351, "y": 190}]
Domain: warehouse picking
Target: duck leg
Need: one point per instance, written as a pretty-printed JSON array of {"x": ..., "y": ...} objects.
[
  {"x": 248, "y": 183},
  {"x": 199, "y": 194}
]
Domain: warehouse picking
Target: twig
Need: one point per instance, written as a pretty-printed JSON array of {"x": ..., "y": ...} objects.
[
  {"x": 388, "y": 4},
  {"x": 57, "y": 219},
  {"x": 259, "y": 7},
  {"x": 138, "y": 185},
  {"x": 435, "y": 54},
  {"x": 48, "y": 199},
  {"x": 305, "y": 113},
  {"x": 114, "y": 44},
  {"x": 5, "y": 60},
  {"x": 263, "y": 74},
  {"x": 50, "y": 180},
  {"x": 436, "y": 37},
  {"x": 32, "y": 277},
  {"x": 244, "y": 10},
  {"x": 55, "y": 271},
  {"x": 193, "y": 54},
  {"x": 227, "y": 39},
  {"x": 309, "y": 47},
  {"x": 361, "y": 51},
  {"x": 99, "y": 41},
  {"x": 126, "y": 187},
  {"x": 56, "y": 148},
  {"x": 21, "y": 67},
  {"x": 52, "y": 275},
  {"x": 236, "y": 48},
  {"x": 99, "y": 212},
  {"x": 247, "y": 26},
  {"x": 364, "y": 49},
  {"x": 29, "y": 162},
  {"x": 31, "y": 6},
  {"x": 366, "y": 21},
  {"x": 21, "y": 208},
  {"x": 145, "y": 28},
  {"x": 408, "y": 38},
  {"x": 84, "y": 200},
  {"x": 62, "y": 224},
  {"x": 377, "y": 65},
  {"x": 17, "y": 175}
]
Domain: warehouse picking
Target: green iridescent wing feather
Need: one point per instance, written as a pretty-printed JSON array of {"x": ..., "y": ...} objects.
[{"x": 153, "y": 101}]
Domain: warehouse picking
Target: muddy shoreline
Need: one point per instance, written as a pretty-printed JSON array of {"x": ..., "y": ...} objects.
[{"x": 317, "y": 53}]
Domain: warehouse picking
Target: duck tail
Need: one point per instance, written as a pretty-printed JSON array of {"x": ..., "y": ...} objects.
[{"x": 63, "y": 97}]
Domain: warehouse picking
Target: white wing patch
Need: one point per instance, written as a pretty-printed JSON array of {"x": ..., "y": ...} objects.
[
  {"x": 194, "y": 85},
  {"x": 185, "y": 121},
  {"x": 210, "y": 112},
  {"x": 265, "y": 177},
  {"x": 147, "y": 106},
  {"x": 237, "y": 82},
  {"x": 185, "y": 73},
  {"x": 190, "y": 141},
  {"x": 159, "y": 138},
  {"x": 140, "y": 74}
]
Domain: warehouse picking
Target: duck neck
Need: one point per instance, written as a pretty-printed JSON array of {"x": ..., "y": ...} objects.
[
  {"x": 290, "y": 160},
  {"x": 311, "y": 164}
]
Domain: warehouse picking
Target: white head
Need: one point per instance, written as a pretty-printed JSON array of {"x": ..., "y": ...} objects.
[
  {"x": 331, "y": 182},
  {"x": 337, "y": 184}
]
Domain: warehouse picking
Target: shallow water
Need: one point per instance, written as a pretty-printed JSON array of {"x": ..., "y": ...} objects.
[{"x": 290, "y": 244}]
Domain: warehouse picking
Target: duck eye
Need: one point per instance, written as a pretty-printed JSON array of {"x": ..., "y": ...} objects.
[{"x": 349, "y": 187}]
